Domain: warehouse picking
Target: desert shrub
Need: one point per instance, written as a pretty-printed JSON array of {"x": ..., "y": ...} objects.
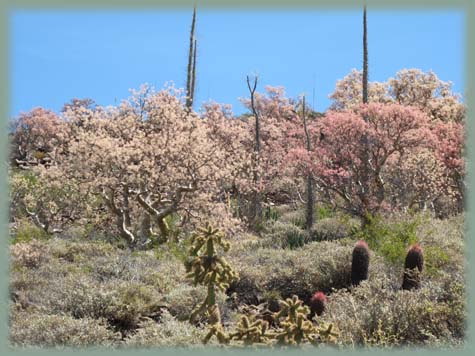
[
  {"x": 333, "y": 228},
  {"x": 295, "y": 217},
  {"x": 271, "y": 213},
  {"x": 25, "y": 232},
  {"x": 323, "y": 212},
  {"x": 135, "y": 292},
  {"x": 49, "y": 330},
  {"x": 75, "y": 250},
  {"x": 29, "y": 255},
  {"x": 184, "y": 298},
  {"x": 284, "y": 235},
  {"x": 377, "y": 314},
  {"x": 167, "y": 332},
  {"x": 72, "y": 294},
  {"x": 130, "y": 302},
  {"x": 444, "y": 244},
  {"x": 317, "y": 267},
  {"x": 97, "y": 280},
  {"x": 435, "y": 259}
]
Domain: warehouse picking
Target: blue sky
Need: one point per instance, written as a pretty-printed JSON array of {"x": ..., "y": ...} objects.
[{"x": 59, "y": 55}]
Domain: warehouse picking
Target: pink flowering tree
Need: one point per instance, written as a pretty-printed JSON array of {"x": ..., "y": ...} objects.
[
  {"x": 449, "y": 149},
  {"x": 392, "y": 131}
]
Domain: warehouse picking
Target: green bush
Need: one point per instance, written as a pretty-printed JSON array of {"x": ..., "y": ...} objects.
[
  {"x": 323, "y": 212},
  {"x": 26, "y": 232},
  {"x": 435, "y": 258},
  {"x": 390, "y": 240}
]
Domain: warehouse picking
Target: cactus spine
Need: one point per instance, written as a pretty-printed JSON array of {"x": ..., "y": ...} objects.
[
  {"x": 413, "y": 266},
  {"x": 359, "y": 263}
]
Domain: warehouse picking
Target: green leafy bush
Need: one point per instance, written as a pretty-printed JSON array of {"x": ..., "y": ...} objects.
[
  {"x": 323, "y": 212},
  {"x": 390, "y": 240},
  {"x": 26, "y": 232}
]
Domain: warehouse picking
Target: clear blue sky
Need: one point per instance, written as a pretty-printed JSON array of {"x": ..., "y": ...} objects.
[{"x": 59, "y": 55}]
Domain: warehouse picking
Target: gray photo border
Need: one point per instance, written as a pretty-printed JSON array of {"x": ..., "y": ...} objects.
[{"x": 9, "y": 6}]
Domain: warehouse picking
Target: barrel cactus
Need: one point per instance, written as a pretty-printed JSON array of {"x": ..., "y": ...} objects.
[
  {"x": 359, "y": 263},
  {"x": 413, "y": 266}
]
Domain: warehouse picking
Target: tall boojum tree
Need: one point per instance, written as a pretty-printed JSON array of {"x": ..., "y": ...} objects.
[{"x": 191, "y": 72}]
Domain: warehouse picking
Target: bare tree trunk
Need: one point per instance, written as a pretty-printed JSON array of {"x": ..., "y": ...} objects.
[
  {"x": 257, "y": 206},
  {"x": 310, "y": 195},
  {"x": 122, "y": 217}
]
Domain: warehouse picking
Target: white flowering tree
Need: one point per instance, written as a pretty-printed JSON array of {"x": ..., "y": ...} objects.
[{"x": 147, "y": 159}]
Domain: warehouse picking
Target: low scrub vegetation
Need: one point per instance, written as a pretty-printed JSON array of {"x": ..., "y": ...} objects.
[{"x": 80, "y": 293}]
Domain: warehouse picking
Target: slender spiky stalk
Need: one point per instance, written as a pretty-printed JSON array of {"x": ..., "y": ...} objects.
[
  {"x": 365, "y": 175},
  {"x": 359, "y": 263},
  {"x": 193, "y": 76},
  {"x": 190, "y": 78},
  {"x": 310, "y": 195},
  {"x": 365, "y": 59}
]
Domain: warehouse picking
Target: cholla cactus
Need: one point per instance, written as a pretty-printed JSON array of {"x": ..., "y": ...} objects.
[
  {"x": 317, "y": 304},
  {"x": 296, "y": 328},
  {"x": 216, "y": 328},
  {"x": 413, "y": 266},
  {"x": 209, "y": 269},
  {"x": 251, "y": 331},
  {"x": 359, "y": 263}
]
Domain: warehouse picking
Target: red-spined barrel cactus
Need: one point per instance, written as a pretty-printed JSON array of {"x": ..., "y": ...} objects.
[
  {"x": 413, "y": 266},
  {"x": 317, "y": 303},
  {"x": 359, "y": 263}
]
